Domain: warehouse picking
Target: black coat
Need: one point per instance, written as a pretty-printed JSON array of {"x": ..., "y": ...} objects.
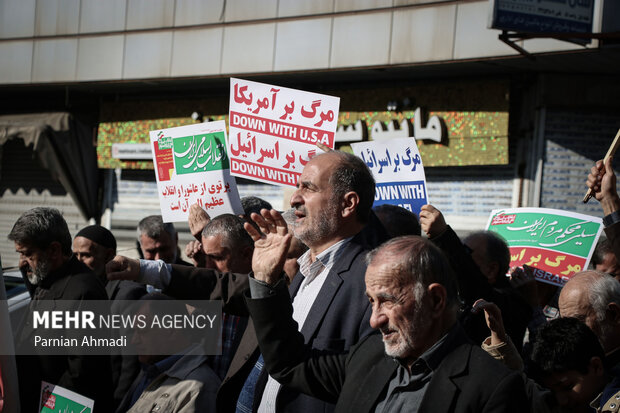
[
  {"x": 87, "y": 375},
  {"x": 338, "y": 319},
  {"x": 467, "y": 379}
]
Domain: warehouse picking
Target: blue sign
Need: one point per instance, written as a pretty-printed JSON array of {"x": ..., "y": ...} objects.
[
  {"x": 409, "y": 195},
  {"x": 543, "y": 16}
]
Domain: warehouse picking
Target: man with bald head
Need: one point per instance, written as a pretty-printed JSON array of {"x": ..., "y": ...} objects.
[{"x": 594, "y": 298}]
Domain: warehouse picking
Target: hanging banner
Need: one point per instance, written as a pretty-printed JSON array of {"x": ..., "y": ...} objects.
[
  {"x": 557, "y": 244},
  {"x": 399, "y": 174},
  {"x": 192, "y": 166},
  {"x": 273, "y": 131}
]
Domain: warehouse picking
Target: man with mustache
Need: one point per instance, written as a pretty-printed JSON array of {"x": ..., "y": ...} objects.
[
  {"x": 43, "y": 241},
  {"x": 422, "y": 361},
  {"x": 333, "y": 204}
]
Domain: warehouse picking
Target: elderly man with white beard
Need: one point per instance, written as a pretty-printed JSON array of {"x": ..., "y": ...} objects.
[
  {"x": 43, "y": 241},
  {"x": 422, "y": 361}
]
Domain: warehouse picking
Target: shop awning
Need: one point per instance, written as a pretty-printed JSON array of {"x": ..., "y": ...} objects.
[{"x": 64, "y": 146}]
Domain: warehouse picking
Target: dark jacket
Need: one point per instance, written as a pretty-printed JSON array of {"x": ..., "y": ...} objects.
[
  {"x": 473, "y": 285},
  {"x": 467, "y": 379},
  {"x": 89, "y": 376},
  {"x": 125, "y": 367},
  {"x": 338, "y": 319}
]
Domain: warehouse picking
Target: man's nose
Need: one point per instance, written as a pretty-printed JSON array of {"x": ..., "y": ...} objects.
[
  {"x": 377, "y": 319},
  {"x": 296, "y": 199},
  {"x": 22, "y": 261}
]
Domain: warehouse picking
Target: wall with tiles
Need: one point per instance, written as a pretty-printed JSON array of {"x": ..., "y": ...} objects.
[{"x": 66, "y": 41}]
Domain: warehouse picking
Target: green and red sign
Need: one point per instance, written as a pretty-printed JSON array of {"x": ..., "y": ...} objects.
[{"x": 558, "y": 243}]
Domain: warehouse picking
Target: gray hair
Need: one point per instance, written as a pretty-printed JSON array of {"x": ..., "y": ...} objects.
[
  {"x": 290, "y": 217},
  {"x": 352, "y": 174},
  {"x": 231, "y": 228},
  {"x": 153, "y": 225},
  {"x": 41, "y": 227},
  {"x": 419, "y": 262},
  {"x": 603, "y": 291}
]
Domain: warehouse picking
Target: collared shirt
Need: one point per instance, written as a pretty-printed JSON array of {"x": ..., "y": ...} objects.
[
  {"x": 406, "y": 389},
  {"x": 315, "y": 274}
]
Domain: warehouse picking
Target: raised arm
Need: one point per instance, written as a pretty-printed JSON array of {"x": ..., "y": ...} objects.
[
  {"x": 197, "y": 220},
  {"x": 602, "y": 181},
  {"x": 286, "y": 356},
  {"x": 498, "y": 345},
  {"x": 472, "y": 283}
]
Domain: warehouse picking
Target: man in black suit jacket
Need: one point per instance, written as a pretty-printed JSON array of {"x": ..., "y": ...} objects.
[
  {"x": 333, "y": 207},
  {"x": 43, "y": 241},
  {"x": 422, "y": 362}
]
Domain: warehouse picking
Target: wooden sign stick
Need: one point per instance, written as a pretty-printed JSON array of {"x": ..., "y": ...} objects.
[{"x": 610, "y": 153}]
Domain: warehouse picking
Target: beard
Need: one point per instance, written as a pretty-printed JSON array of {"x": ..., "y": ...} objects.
[
  {"x": 402, "y": 343},
  {"x": 38, "y": 274},
  {"x": 316, "y": 228}
]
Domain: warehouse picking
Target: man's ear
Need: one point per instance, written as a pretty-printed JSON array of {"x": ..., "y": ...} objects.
[
  {"x": 438, "y": 297},
  {"x": 350, "y": 202},
  {"x": 110, "y": 253},
  {"x": 54, "y": 252},
  {"x": 612, "y": 313}
]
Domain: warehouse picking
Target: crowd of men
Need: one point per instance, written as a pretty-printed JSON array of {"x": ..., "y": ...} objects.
[{"x": 334, "y": 306}]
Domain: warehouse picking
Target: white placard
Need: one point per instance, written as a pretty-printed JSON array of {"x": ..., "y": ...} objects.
[
  {"x": 397, "y": 167},
  {"x": 192, "y": 166},
  {"x": 274, "y": 130}
]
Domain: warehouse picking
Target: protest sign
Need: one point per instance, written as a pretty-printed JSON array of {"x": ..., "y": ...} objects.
[
  {"x": 192, "y": 166},
  {"x": 557, "y": 244},
  {"x": 397, "y": 167},
  {"x": 58, "y": 399},
  {"x": 273, "y": 130}
]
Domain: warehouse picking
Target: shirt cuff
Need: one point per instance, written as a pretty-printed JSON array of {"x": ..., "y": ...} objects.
[
  {"x": 611, "y": 219},
  {"x": 260, "y": 289},
  {"x": 156, "y": 273},
  {"x": 504, "y": 352}
]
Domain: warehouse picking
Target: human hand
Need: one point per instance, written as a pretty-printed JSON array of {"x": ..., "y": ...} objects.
[
  {"x": 523, "y": 280},
  {"x": 193, "y": 250},
  {"x": 197, "y": 220},
  {"x": 602, "y": 181},
  {"x": 123, "y": 268},
  {"x": 270, "y": 246},
  {"x": 493, "y": 317},
  {"x": 432, "y": 221}
]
